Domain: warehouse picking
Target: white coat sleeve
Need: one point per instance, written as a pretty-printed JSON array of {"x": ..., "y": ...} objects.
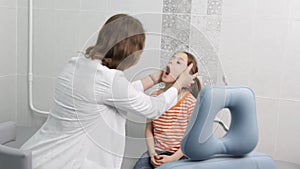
[
  {"x": 138, "y": 85},
  {"x": 125, "y": 97}
]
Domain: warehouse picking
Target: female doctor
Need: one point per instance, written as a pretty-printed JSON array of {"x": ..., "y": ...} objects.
[{"x": 86, "y": 125}]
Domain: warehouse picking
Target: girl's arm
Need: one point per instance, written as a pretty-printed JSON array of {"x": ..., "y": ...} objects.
[
  {"x": 150, "y": 144},
  {"x": 150, "y": 139},
  {"x": 177, "y": 155},
  {"x": 163, "y": 159}
]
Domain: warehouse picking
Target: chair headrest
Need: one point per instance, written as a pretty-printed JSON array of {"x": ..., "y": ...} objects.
[{"x": 199, "y": 142}]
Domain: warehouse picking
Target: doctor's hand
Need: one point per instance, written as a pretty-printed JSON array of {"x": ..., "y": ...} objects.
[
  {"x": 185, "y": 79},
  {"x": 156, "y": 77}
]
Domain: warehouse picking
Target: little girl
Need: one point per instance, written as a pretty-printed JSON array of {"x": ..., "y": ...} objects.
[{"x": 164, "y": 135}]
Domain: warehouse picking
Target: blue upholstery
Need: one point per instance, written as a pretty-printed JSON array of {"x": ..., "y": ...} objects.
[
  {"x": 253, "y": 160},
  {"x": 234, "y": 150},
  {"x": 243, "y": 133}
]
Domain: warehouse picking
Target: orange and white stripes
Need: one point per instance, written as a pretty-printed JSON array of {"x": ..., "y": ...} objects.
[{"x": 169, "y": 129}]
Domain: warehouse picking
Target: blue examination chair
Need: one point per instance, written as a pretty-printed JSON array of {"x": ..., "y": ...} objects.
[{"x": 235, "y": 149}]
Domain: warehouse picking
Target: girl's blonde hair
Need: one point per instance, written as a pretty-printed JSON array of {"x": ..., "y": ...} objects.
[{"x": 196, "y": 87}]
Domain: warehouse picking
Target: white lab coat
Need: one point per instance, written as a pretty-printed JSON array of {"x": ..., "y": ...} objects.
[{"x": 86, "y": 126}]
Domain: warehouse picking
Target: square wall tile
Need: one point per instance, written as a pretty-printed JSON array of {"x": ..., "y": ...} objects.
[
  {"x": 267, "y": 112},
  {"x": 214, "y": 7},
  {"x": 94, "y": 5},
  {"x": 25, "y": 116},
  {"x": 238, "y": 9},
  {"x": 44, "y": 4},
  {"x": 152, "y": 43},
  {"x": 210, "y": 26},
  {"x": 290, "y": 81},
  {"x": 8, "y": 3},
  {"x": 175, "y": 35},
  {"x": 176, "y": 6},
  {"x": 137, "y": 6},
  {"x": 43, "y": 58},
  {"x": 91, "y": 23},
  {"x": 22, "y": 43},
  {"x": 43, "y": 92},
  {"x": 270, "y": 8},
  {"x": 294, "y": 8},
  {"x": 268, "y": 52},
  {"x": 235, "y": 47},
  {"x": 56, "y": 40},
  {"x": 22, "y": 3},
  {"x": 66, "y": 37},
  {"x": 67, "y": 4},
  {"x": 8, "y": 98},
  {"x": 199, "y": 7},
  {"x": 288, "y": 146},
  {"x": 152, "y": 22},
  {"x": 207, "y": 56},
  {"x": 8, "y": 41}
]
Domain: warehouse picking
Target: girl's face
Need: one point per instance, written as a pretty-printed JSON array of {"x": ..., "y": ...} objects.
[{"x": 176, "y": 65}]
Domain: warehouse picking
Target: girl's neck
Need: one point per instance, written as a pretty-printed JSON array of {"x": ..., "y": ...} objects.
[{"x": 180, "y": 94}]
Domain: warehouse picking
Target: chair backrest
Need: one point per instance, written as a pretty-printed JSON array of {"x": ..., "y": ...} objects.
[
  {"x": 12, "y": 158},
  {"x": 7, "y": 132},
  {"x": 199, "y": 142}
]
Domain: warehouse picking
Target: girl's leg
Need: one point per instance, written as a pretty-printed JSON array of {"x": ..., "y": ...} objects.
[{"x": 143, "y": 162}]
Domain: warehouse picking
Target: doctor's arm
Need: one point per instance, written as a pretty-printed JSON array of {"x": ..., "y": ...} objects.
[
  {"x": 124, "y": 96},
  {"x": 148, "y": 81},
  {"x": 152, "y": 79}
]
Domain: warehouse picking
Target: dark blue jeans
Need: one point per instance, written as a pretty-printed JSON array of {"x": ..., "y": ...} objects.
[{"x": 144, "y": 162}]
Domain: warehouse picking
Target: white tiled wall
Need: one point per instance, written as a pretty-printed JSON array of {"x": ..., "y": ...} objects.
[
  {"x": 260, "y": 48},
  {"x": 8, "y": 57}
]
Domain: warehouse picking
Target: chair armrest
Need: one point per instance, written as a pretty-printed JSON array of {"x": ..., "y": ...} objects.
[
  {"x": 8, "y": 132},
  {"x": 15, "y": 158}
]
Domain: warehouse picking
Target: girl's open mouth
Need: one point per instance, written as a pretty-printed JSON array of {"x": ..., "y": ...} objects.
[{"x": 167, "y": 70}]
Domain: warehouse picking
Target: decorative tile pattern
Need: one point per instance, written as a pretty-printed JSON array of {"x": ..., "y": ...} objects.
[
  {"x": 210, "y": 26},
  {"x": 207, "y": 56},
  {"x": 175, "y": 35},
  {"x": 199, "y": 34},
  {"x": 214, "y": 7},
  {"x": 177, "y": 6},
  {"x": 199, "y": 7}
]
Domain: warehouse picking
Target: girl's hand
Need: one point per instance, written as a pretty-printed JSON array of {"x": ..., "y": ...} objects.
[
  {"x": 162, "y": 159},
  {"x": 154, "y": 161}
]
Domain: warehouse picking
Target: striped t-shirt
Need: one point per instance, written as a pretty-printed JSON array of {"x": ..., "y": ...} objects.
[{"x": 169, "y": 129}]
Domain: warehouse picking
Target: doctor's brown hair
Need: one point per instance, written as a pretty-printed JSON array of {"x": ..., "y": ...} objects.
[{"x": 121, "y": 36}]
